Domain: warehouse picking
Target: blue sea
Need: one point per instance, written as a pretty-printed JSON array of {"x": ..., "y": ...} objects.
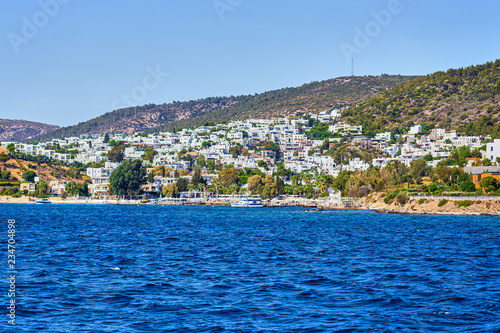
[{"x": 86, "y": 268}]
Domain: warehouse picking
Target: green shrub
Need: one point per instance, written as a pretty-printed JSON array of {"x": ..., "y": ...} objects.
[
  {"x": 402, "y": 198},
  {"x": 391, "y": 196},
  {"x": 464, "y": 203},
  {"x": 442, "y": 202},
  {"x": 324, "y": 195},
  {"x": 467, "y": 186},
  {"x": 29, "y": 175},
  {"x": 421, "y": 201}
]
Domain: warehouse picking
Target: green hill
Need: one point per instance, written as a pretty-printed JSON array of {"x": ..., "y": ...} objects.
[
  {"x": 465, "y": 99},
  {"x": 313, "y": 97}
]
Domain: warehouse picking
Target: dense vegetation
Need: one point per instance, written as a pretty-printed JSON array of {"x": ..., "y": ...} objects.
[
  {"x": 465, "y": 99},
  {"x": 127, "y": 178}
]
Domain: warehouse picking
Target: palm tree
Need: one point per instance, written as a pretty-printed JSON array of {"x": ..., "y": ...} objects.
[
  {"x": 324, "y": 181},
  {"x": 216, "y": 185},
  {"x": 307, "y": 178},
  {"x": 234, "y": 188}
]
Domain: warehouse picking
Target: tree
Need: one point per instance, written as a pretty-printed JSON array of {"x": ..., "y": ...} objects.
[
  {"x": 234, "y": 188},
  {"x": 5, "y": 174},
  {"x": 116, "y": 154},
  {"x": 161, "y": 171},
  {"x": 269, "y": 188},
  {"x": 235, "y": 151},
  {"x": 197, "y": 178},
  {"x": 182, "y": 184},
  {"x": 326, "y": 181},
  {"x": 489, "y": 183},
  {"x": 42, "y": 186},
  {"x": 11, "y": 148},
  {"x": 106, "y": 138},
  {"x": 70, "y": 188},
  {"x": 73, "y": 173},
  {"x": 127, "y": 178},
  {"x": 201, "y": 161},
  {"x": 486, "y": 162},
  {"x": 443, "y": 172},
  {"x": 417, "y": 169},
  {"x": 280, "y": 185},
  {"x": 254, "y": 183},
  {"x": 467, "y": 186},
  {"x": 228, "y": 177},
  {"x": 29, "y": 175},
  {"x": 170, "y": 191},
  {"x": 402, "y": 198},
  {"x": 149, "y": 154},
  {"x": 262, "y": 164},
  {"x": 151, "y": 177},
  {"x": 4, "y": 158},
  {"x": 83, "y": 189}
]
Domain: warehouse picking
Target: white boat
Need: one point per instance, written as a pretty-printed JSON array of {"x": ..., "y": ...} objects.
[
  {"x": 43, "y": 201},
  {"x": 247, "y": 202}
]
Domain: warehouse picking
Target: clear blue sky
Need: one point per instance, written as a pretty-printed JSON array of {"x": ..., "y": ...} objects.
[{"x": 87, "y": 54}]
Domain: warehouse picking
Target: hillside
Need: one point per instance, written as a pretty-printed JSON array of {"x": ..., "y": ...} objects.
[
  {"x": 465, "y": 99},
  {"x": 18, "y": 130},
  {"x": 45, "y": 171},
  {"x": 312, "y": 97}
]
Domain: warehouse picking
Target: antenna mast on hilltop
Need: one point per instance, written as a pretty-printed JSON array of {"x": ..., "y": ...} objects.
[{"x": 352, "y": 66}]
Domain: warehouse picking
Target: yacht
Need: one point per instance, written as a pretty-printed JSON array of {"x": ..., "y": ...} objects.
[
  {"x": 43, "y": 201},
  {"x": 247, "y": 202}
]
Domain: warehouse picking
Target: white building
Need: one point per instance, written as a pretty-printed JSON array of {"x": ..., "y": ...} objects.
[
  {"x": 384, "y": 136},
  {"x": 415, "y": 130},
  {"x": 326, "y": 116},
  {"x": 493, "y": 150},
  {"x": 346, "y": 129}
]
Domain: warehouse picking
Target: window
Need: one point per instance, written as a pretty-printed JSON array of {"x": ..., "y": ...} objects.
[{"x": 491, "y": 148}]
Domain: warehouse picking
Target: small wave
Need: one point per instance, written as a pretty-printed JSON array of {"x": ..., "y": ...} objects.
[
  {"x": 320, "y": 282},
  {"x": 453, "y": 300},
  {"x": 394, "y": 302}
]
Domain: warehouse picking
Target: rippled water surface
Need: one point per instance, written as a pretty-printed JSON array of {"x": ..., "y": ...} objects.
[{"x": 220, "y": 269}]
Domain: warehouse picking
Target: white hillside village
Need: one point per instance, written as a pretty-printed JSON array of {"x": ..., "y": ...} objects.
[{"x": 260, "y": 144}]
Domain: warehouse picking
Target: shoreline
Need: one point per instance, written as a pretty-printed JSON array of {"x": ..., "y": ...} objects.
[{"x": 412, "y": 207}]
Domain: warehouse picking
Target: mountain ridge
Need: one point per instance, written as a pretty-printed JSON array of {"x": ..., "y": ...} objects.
[
  {"x": 311, "y": 97},
  {"x": 19, "y": 129},
  {"x": 463, "y": 99}
]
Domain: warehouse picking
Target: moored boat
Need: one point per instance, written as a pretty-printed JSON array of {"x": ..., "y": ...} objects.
[
  {"x": 247, "y": 202},
  {"x": 43, "y": 201}
]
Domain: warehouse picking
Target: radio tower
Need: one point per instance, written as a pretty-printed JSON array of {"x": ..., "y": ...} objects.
[{"x": 352, "y": 66}]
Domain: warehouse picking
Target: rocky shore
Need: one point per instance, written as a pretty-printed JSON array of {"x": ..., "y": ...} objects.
[
  {"x": 478, "y": 206},
  {"x": 454, "y": 206}
]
